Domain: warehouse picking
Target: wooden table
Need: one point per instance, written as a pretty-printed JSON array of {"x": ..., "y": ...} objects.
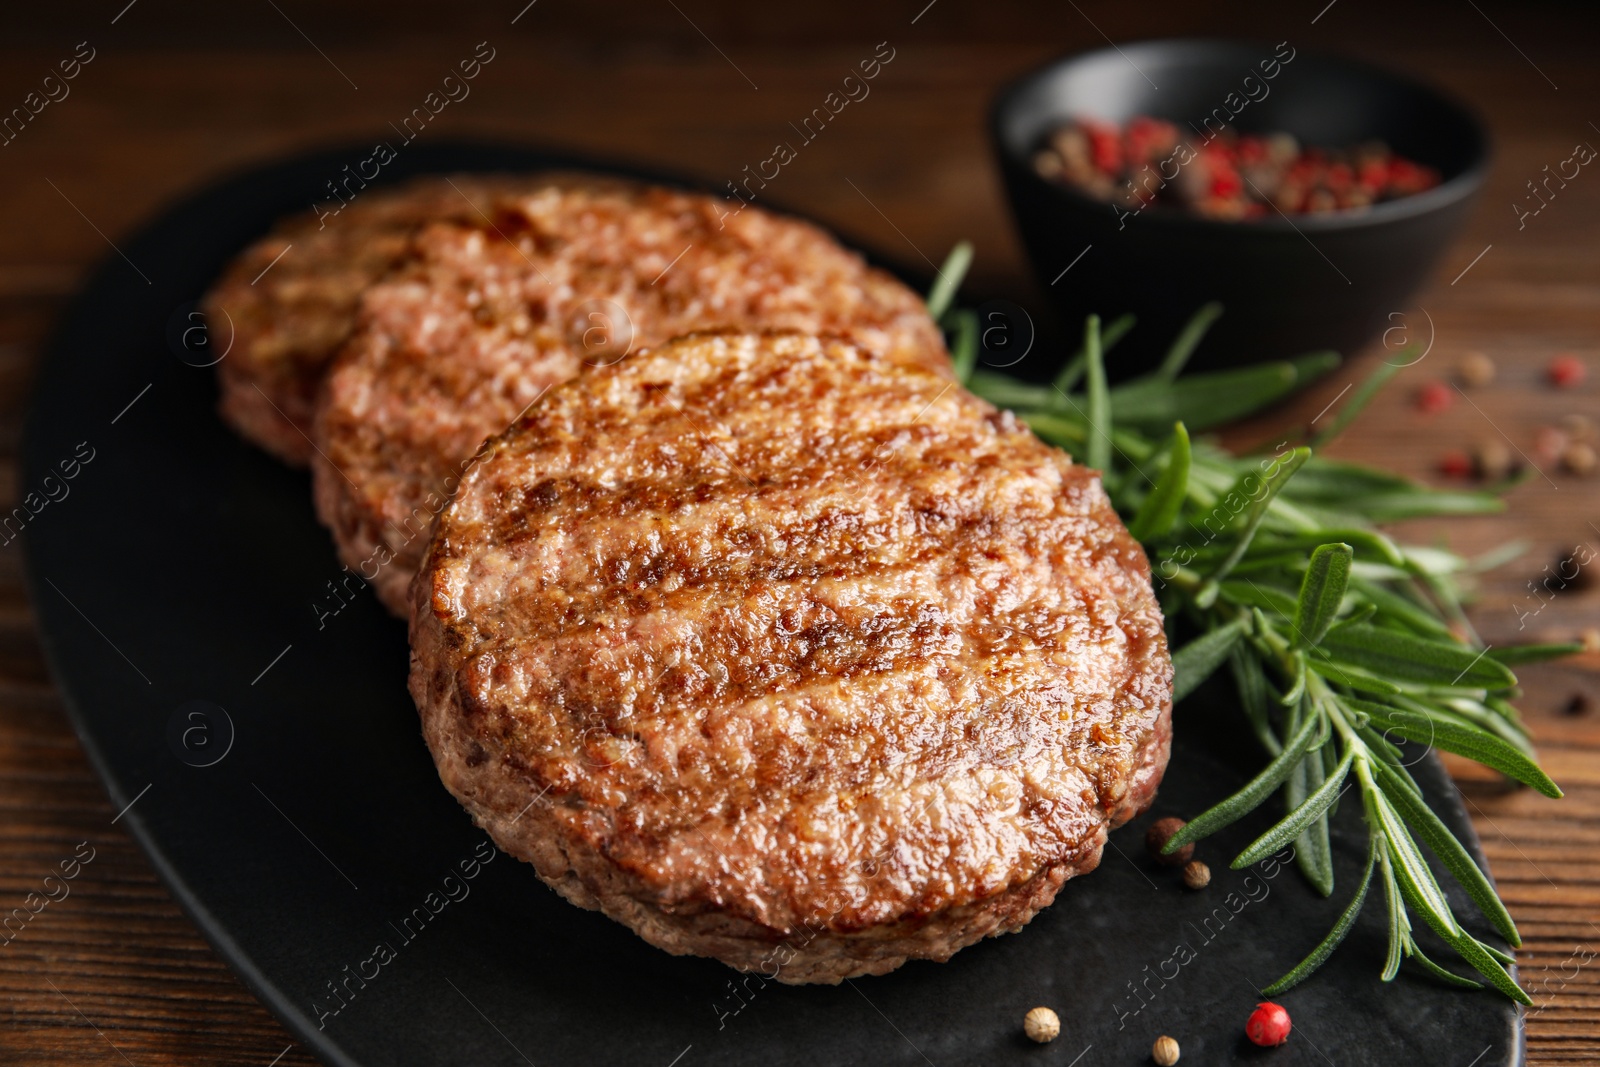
[{"x": 176, "y": 95}]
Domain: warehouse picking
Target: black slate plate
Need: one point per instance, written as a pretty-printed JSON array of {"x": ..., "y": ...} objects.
[{"x": 262, "y": 738}]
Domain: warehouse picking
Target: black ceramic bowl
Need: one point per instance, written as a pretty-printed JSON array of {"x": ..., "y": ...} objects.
[{"x": 1289, "y": 284}]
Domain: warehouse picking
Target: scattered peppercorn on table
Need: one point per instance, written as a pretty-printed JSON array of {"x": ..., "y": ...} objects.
[{"x": 172, "y": 100}]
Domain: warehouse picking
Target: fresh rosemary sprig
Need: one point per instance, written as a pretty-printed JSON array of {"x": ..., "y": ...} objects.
[{"x": 1339, "y": 640}]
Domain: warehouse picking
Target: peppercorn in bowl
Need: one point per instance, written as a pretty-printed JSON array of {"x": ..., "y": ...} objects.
[{"x": 1310, "y": 195}]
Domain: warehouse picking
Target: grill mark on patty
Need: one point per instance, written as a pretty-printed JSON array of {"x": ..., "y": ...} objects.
[
  {"x": 853, "y": 739},
  {"x": 287, "y": 324},
  {"x": 458, "y": 341}
]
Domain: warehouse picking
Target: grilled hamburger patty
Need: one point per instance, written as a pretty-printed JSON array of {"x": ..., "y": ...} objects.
[
  {"x": 481, "y": 319},
  {"x": 289, "y": 301},
  {"x": 778, "y": 652}
]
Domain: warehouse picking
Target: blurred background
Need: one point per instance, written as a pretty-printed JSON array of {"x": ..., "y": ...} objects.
[
  {"x": 171, "y": 95},
  {"x": 182, "y": 91}
]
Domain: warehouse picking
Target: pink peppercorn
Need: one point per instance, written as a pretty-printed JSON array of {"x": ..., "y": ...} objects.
[
  {"x": 1434, "y": 397},
  {"x": 1549, "y": 442},
  {"x": 1268, "y": 1025},
  {"x": 1566, "y": 370},
  {"x": 1455, "y": 464}
]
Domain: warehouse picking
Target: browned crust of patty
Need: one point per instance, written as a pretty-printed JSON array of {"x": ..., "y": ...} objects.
[
  {"x": 482, "y": 318},
  {"x": 284, "y": 306},
  {"x": 784, "y": 654}
]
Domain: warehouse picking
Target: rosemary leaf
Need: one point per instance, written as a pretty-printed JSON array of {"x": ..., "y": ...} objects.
[
  {"x": 1271, "y": 484},
  {"x": 1443, "y": 843},
  {"x": 1203, "y": 401},
  {"x": 964, "y": 351},
  {"x": 1338, "y": 482},
  {"x": 1471, "y": 742},
  {"x": 1402, "y": 657},
  {"x": 1321, "y": 593},
  {"x": 1441, "y": 973},
  {"x": 1504, "y": 958},
  {"x": 1398, "y": 608},
  {"x": 1313, "y": 365},
  {"x": 1514, "y": 654},
  {"x": 1194, "y": 662},
  {"x": 1160, "y": 509},
  {"x": 1072, "y": 371},
  {"x": 1351, "y": 676},
  {"x": 1359, "y": 400},
  {"x": 1302, "y": 678},
  {"x": 1066, "y": 381},
  {"x": 1098, "y": 450},
  {"x": 1007, "y": 392},
  {"x": 1313, "y": 851},
  {"x": 1477, "y": 954},
  {"x": 1304, "y": 813},
  {"x": 1254, "y": 694},
  {"x": 1429, "y": 503},
  {"x": 1367, "y": 543},
  {"x": 1416, "y": 881},
  {"x": 1359, "y": 614},
  {"x": 1319, "y": 955},
  {"x": 1275, "y": 599},
  {"x": 1055, "y": 429},
  {"x": 1250, "y": 797},
  {"x": 1188, "y": 340},
  {"x": 1473, "y": 714},
  {"x": 949, "y": 279},
  {"x": 1389, "y": 756},
  {"x": 1399, "y": 924}
]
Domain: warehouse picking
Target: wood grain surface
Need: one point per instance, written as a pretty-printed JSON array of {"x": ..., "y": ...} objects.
[{"x": 177, "y": 95}]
